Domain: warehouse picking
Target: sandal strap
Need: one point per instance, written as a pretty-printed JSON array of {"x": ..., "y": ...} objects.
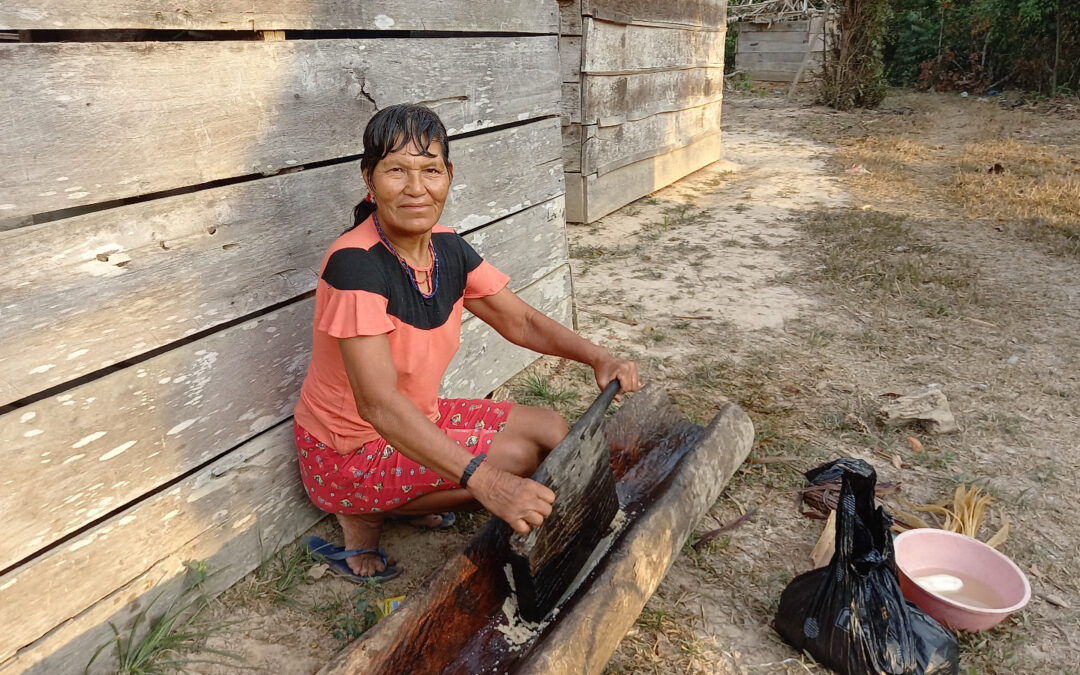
[{"x": 342, "y": 555}]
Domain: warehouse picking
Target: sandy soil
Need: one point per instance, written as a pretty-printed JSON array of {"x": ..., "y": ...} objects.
[{"x": 733, "y": 284}]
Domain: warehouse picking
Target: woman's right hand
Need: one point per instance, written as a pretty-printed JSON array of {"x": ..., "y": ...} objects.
[{"x": 521, "y": 502}]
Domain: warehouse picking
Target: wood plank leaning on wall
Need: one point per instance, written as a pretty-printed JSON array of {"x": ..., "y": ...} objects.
[
  {"x": 175, "y": 114},
  {"x": 96, "y": 289},
  {"x": 525, "y": 16},
  {"x": 204, "y": 510}
]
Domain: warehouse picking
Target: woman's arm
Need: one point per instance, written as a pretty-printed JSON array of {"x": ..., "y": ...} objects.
[
  {"x": 521, "y": 502},
  {"x": 525, "y": 326}
]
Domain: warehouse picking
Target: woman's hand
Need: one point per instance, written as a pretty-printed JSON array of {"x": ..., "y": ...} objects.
[
  {"x": 521, "y": 502},
  {"x": 609, "y": 367}
]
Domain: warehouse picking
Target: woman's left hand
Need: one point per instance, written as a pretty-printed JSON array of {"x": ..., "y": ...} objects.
[{"x": 609, "y": 367}]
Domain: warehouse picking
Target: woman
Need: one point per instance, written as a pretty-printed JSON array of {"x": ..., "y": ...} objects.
[{"x": 373, "y": 438}]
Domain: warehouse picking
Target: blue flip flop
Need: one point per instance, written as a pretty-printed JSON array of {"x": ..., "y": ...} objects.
[
  {"x": 448, "y": 520},
  {"x": 335, "y": 556}
]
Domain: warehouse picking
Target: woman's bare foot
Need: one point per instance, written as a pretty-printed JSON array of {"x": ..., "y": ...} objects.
[{"x": 362, "y": 531}]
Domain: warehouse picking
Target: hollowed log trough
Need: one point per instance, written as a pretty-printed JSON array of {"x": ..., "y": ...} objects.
[{"x": 668, "y": 472}]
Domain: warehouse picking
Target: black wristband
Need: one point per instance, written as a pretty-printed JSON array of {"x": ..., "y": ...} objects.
[{"x": 471, "y": 468}]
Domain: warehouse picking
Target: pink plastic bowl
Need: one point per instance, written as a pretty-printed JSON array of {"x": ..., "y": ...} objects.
[{"x": 926, "y": 549}]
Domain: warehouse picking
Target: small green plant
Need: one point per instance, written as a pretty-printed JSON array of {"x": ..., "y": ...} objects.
[
  {"x": 584, "y": 252},
  {"x": 351, "y": 616},
  {"x": 538, "y": 390},
  {"x": 742, "y": 82},
  {"x": 653, "y": 618},
  {"x": 280, "y": 573},
  {"x": 177, "y": 630}
]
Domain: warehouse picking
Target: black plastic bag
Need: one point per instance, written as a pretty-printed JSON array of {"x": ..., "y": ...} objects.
[{"x": 851, "y": 615}]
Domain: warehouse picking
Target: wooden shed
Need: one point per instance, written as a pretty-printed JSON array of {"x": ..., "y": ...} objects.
[
  {"x": 642, "y": 87},
  {"x": 170, "y": 177},
  {"x": 781, "y": 51}
]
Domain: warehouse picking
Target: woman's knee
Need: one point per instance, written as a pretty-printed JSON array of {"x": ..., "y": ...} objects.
[{"x": 529, "y": 436}]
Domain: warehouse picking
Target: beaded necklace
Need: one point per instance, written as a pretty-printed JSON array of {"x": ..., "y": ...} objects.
[{"x": 432, "y": 270}]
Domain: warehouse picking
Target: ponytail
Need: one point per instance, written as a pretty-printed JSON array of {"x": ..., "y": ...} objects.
[{"x": 362, "y": 212}]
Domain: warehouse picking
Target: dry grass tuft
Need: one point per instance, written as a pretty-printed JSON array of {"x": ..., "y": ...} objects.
[
  {"x": 876, "y": 255},
  {"x": 1033, "y": 184}
]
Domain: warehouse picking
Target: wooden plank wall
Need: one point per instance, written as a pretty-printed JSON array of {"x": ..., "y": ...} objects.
[
  {"x": 166, "y": 200},
  {"x": 775, "y": 52},
  {"x": 642, "y": 88}
]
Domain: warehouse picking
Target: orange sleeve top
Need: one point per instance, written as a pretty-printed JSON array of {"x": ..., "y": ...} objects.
[{"x": 363, "y": 290}]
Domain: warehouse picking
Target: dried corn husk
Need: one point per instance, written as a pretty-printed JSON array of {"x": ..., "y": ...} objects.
[
  {"x": 826, "y": 543},
  {"x": 969, "y": 508}
]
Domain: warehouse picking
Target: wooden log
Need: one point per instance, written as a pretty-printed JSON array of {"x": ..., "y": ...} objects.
[
  {"x": 663, "y": 463},
  {"x": 709, "y": 14},
  {"x": 177, "y": 410},
  {"x": 233, "y": 514},
  {"x": 120, "y": 282},
  {"x": 569, "y": 17},
  {"x": 605, "y": 193},
  {"x": 610, "y": 99},
  {"x": 570, "y": 58},
  {"x": 572, "y": 147},
  {"x": 612, "y": 49},
  {"x": 527, "y": 16},
  {"x": 175, "y": 114},
  {"x": 607, "y": 148},
  {"x": 546, "y": 561},
  {"x": 582, "y": 640}
]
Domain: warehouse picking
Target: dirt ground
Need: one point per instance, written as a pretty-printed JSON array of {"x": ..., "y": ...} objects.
[{"x": 780, "y": 280}]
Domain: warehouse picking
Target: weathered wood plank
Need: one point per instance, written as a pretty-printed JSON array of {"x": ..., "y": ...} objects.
[
  {"x": 177, "y": 410},
  {"x": 604, "y": 194},
  {"x": 752, "y": 59},
  {"x": 168, "y": 115},
  {"x": 528, "y": 245},
  {"x": 526, "y": 16},
  {"x": 569, "y": 17},
  {"x": 612, "y": 48},
  {"x": 66, "y": 312},
  {"x": 781, "y": 75},
  {"x": 702, "y": 13},
  {"x": 570, "y": 104},
  {"x": 798, "y": 43},
  {"x": 231, "y": 513},
  {"x": 608, "y": 148},
  {"x": 774, "y": 27},
  {"x": 610, "y": 99},
  {"x": 546, "y": 561},
  {"x": 485, "y": 360},
  {"x": 575, "y": 197},
  {"x": 109, "y": 441},
  {"x": 570, "y": 58},
  {"x": 571, "y": 140}
]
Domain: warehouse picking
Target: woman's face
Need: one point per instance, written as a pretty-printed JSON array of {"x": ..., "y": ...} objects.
[{"x": 410, "y": 189}]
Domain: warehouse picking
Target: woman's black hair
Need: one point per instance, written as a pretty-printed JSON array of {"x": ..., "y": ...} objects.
[{"x": 392, "y": 129}]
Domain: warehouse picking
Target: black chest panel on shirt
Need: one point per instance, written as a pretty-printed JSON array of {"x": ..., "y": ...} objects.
[{"x": 377, "y": 270}]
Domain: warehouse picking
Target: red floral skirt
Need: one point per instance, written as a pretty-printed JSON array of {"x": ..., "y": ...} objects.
[{"x": 379, "y": 478}]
